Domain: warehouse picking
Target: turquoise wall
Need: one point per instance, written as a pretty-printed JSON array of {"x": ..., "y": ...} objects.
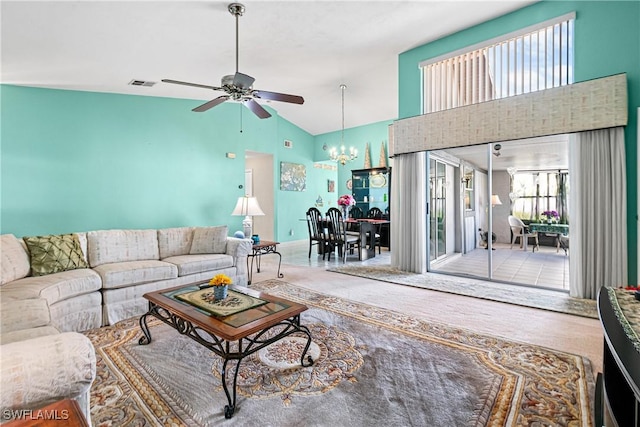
[
  {"x": 607, "y": 42},
  {"x": 75, "y": 161},
  {"x": 374, "y": 134}
]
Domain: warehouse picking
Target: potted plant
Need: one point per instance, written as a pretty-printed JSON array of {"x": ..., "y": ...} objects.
[
  {"x": 220, "y": 283},
  {"x": 551, "y": 216}
]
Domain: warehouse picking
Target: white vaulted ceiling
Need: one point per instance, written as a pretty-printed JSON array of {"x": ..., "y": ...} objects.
[{"x": 305, "y": 48}]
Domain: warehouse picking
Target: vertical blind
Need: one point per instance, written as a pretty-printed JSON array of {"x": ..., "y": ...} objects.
[{"x": 537, "y": 59}]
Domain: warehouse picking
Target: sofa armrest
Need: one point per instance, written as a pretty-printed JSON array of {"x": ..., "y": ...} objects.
[
  {"x": 40, "y": 371},
  {"x": 238, "y": 248}
]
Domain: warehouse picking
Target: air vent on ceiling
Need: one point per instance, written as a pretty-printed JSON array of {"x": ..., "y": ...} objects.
[{"x": 135, "y": 82}]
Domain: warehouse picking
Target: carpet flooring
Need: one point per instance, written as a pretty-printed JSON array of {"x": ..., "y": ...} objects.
[
  {"x": 512, "y": 294},
  {"x": 372, "y": 366}
]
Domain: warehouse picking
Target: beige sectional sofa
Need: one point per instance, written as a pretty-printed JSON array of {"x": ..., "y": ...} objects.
[{"x": 105, "y": 273}]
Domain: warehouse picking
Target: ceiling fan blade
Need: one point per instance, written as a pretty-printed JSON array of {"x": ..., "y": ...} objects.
[
  {"x": 282, "y": 97},
  {"x": 177, "y": 82},
  {"x": 211, "y": 104},
  {"x": 243, "y": 81},
  {"x": 257, "y": 109}
]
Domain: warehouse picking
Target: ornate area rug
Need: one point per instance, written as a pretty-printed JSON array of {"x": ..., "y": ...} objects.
[
  {"x": 373, "y": 367},
  {"x": 512, "y": 294}
]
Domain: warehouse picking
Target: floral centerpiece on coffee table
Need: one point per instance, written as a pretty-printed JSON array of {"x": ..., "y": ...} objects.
[
  {"x": 551, "y": 216},
  {"x": 220, "y": 283},
  {"x": 346, "y": 201}
]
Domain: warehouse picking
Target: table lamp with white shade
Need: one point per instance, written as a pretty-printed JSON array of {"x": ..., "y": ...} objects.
[{"x": 248, "y": 207}]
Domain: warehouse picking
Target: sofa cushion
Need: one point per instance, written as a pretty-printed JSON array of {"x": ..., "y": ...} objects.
[
  {"x": 53, "y": 287},
  {"x": 209, "y": 240},
  {"x": 16, "y": 315},
  {"x": 191, "y": 264},
  {"x": 82, "y": 238},
  {"x": 109, "y": 246},
  {"x": 14, "y": 259},
  {"x": 77, "y": 314},
  {"x": 174, "y": 241},
  {"x": 122, "y": 274},
  {"x": 54, "y": 253}
]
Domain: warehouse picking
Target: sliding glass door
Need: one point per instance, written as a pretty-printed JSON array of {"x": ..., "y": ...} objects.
[
  {"x": 478, "y": 192},
  {"x": 437, "y": 211}
]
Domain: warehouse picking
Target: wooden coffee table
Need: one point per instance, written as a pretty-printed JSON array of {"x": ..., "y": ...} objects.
[{"x": 232, "y": 337}]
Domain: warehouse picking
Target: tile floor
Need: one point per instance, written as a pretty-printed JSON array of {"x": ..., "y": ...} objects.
[{"x": 545, "y": 268}]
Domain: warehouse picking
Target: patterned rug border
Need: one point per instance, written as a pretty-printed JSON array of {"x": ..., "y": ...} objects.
[
  {"x": 493, "y": 291},
  {"x": 539, "y": 385}
]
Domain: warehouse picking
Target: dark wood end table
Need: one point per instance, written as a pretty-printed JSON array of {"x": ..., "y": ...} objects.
[{"x": 265, "y": 247}]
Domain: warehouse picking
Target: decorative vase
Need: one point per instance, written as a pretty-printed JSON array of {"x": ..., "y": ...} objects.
[
  {"x": 220, "y": 292},
  {"x": 548, "y": 220},
  {"x": 345, "y": 211}
]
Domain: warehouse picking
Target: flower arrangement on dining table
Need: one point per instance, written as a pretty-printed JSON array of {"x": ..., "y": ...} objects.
[
  {"x": 550, "y": 215},
  {"x": 346, "y": 200}
]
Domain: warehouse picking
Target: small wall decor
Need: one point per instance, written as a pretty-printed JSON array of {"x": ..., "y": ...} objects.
[
  {"x": 288, "y": 144},
  {"x": 331, "y": 186},
  {"x": 319, "y": 202},
  {"x": 293, "y": 177}
]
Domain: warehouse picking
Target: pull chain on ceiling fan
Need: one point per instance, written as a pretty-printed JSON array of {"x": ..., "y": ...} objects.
[{"x": 239, "y": 86}]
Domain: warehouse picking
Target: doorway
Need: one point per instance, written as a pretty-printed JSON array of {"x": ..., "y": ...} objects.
[{"x": 259, "y": 171}]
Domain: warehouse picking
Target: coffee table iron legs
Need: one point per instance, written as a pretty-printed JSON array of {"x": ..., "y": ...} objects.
[{"x": 245, "y": 346}]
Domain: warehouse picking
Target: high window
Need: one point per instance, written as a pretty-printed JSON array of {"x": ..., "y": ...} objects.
[{"x": 535, "y": 58}]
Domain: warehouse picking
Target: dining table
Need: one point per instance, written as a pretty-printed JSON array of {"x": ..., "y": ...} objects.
[
  {"x": 552, "y": 229},
  {"x": 367, "y": 229}
]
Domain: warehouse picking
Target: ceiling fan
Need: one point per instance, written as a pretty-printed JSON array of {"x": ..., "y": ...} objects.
[{"x": 238, "y": 86}]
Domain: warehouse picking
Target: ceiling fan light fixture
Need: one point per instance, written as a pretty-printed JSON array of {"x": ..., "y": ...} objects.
[{"x": 239, "y": 86}]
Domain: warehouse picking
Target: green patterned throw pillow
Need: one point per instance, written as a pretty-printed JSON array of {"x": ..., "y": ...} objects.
[{"x": 54, "y": 253}]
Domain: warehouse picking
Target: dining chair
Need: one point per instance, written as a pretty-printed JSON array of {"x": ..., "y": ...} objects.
[
  {"x": 518, "y": 229},
  {"x": 355, "y": 213},
  {"x": 316, "y": 231},
  {"x": 376, "y": 213},
  {"x": 338, "y": 236}
]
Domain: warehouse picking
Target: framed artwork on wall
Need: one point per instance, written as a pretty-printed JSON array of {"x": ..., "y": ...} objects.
[
  {"x": 331, "y": 186},
  {"x": 293, "y": 177}
]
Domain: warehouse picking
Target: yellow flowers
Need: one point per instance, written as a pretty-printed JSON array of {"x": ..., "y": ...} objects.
[{"x": 220, "y": 280}]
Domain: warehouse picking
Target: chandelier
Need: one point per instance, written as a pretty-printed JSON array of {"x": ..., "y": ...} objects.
[{"x": 343, "y": 157}]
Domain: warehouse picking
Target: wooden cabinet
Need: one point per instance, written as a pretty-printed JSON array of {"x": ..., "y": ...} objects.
[{"x": 370, "y": 188}]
